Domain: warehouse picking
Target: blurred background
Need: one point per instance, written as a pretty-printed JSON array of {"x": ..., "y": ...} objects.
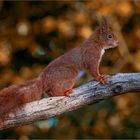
[{"x": 34, "y": 33}]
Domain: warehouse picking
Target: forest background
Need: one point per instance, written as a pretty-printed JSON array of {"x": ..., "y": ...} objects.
[{"x": 33, "y": 33}]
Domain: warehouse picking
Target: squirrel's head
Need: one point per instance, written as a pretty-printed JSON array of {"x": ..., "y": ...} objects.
[{"x": 105, "y": 35}]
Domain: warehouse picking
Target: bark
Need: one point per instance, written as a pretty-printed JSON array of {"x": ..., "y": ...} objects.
[{"x": 88, "y": 93}]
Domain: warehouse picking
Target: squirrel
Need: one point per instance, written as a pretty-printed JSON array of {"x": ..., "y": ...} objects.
[{"x": 59, "y": 77}]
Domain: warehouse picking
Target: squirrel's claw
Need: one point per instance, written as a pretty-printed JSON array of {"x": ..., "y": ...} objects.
[{"x": 102, "y": 78}]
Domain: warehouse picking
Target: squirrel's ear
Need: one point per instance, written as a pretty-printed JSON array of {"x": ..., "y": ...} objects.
[
  {"x": 104, "y": 25},
  {"x": 104, "y": 21}
]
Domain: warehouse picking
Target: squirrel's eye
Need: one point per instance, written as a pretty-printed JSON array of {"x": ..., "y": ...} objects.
[{"x": 109, "y": 36}]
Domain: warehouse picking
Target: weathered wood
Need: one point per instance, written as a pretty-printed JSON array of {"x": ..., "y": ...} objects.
[{"x": 88, "y": 93}]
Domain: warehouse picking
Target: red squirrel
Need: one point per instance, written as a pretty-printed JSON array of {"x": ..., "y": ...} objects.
[{"x": 59, "y": 77}]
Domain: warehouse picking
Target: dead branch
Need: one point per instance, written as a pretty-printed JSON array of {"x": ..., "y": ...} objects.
[{"x": 88, "y": 93}]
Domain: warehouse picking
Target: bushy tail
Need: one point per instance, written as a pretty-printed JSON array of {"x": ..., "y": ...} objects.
[{"x": 15, "y": 96}]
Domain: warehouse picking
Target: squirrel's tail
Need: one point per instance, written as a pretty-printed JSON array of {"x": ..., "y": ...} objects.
[{"x": 15, "y": 96}]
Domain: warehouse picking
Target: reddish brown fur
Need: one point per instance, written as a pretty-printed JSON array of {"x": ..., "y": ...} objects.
[
  {"x": 59, "y": 77},
  {"x": 17, "y": 95}
]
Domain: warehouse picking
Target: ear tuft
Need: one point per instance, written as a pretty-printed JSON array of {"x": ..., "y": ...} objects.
[
  {"x": 104, "y": 21},
  {"x": 104, "y": 25}
]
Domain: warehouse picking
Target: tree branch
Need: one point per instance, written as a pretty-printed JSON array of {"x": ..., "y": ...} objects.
[{"x": 88, "y": 93}]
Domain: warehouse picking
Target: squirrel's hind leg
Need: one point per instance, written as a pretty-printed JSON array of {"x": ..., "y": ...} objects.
[{"x": 68, "y": 92}]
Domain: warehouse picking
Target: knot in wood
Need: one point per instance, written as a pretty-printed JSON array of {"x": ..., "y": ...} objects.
[{"x": 117, "y": 89}]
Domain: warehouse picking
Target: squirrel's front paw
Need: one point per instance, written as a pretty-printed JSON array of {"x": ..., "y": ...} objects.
[{"x": 102, "y": 78}]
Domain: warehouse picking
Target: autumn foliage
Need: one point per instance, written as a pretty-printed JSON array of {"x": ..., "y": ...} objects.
[{"x": 34, "y": 33}]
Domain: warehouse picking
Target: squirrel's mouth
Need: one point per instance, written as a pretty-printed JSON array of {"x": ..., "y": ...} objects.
[
  {"x": 116, "y": 43},
  {"x": 113, "y": 45}
]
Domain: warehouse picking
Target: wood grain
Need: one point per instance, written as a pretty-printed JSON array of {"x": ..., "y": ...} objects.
[{"x": 88, "y": 93}]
